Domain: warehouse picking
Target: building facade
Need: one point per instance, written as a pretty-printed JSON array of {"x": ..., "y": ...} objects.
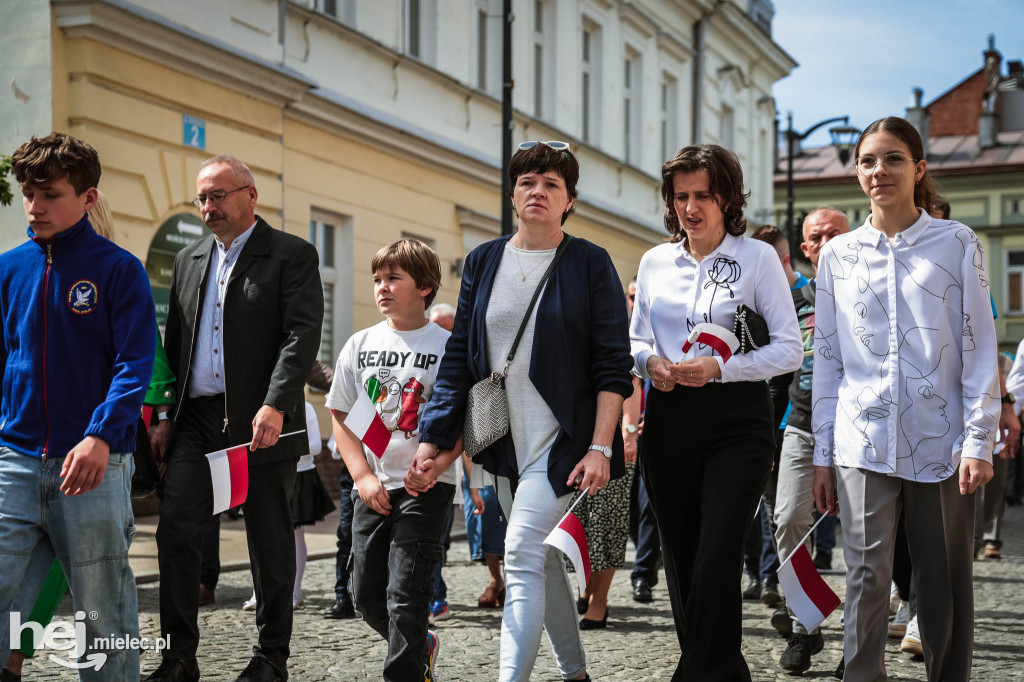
[
  {"x": 974, "y": 138},
  {"x": 368, "y": 120}
]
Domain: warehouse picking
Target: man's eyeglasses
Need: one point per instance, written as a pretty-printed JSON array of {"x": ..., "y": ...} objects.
[
  {"x": 892, "y": 162},
  {"x": 215, "y": 197},
  {"x": 554, "y": 144}
]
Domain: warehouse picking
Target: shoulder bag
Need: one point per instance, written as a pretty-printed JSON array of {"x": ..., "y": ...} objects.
[{"x": 487, "y": 403}]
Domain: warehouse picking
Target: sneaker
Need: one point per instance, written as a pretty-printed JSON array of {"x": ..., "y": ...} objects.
[
  {"x": 298, "y": 604},
  {"x": 992, "y": 552},
  {"x": 770, "y": 594},
  {"x": 823, "y": 561},
  {"x": 433, "y": 645},
  {"x": 439, "y": 611},
  {"x": 894, "y": 599},
  {"x": 911, "y": 643},
  {"x": 250, "y": 604},
  {"x": 898, "y": 626},
  {"x": 753, "y": 589},
  {"x": 797, "y": 656},
  {"x": 782, "y": 621}
]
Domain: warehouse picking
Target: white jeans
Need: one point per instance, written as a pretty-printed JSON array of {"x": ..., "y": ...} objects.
[{"x": 538, "y": 594}]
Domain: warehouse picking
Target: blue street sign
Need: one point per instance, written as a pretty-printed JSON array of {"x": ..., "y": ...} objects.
[{"x": 193, "y": 131}]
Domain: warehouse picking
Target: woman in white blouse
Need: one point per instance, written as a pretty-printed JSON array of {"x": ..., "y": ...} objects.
[
  {"x": 906, "y": 402},
  {"x": 708, "y": 430}
]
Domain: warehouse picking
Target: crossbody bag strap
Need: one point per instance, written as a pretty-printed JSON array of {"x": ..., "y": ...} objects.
[{"x": 536, "y": 294}]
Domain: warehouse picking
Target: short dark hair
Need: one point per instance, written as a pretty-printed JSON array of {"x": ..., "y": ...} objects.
[
  {"x": 924, "y": 190},
  {"x": 725, "y": 184},
  {"x": 48, "y": 159},
  {"x": 417, "y": 259},
  {"x": 770, "y": 234},
  {"x": 541, "y": 158},
  {"x": 941, "y": 204}
]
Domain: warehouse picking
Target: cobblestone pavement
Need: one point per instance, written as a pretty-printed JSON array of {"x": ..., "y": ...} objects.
[{"x": 639, "y": 643}]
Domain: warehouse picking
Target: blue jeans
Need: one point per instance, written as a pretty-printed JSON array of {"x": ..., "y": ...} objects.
[
  {"x": 90, "y": 534},
  {"x": 648, "y": 544},
  {"x": 825, "y": 535},
  {"x": 440, "y": 587},
  {"x": 485, "y": 532}
]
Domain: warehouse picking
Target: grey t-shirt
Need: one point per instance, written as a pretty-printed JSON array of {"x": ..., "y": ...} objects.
[{"x": 532, "y": 424}]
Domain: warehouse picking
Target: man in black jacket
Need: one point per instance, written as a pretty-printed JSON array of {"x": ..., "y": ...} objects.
[{"x": 243, "y": 329}]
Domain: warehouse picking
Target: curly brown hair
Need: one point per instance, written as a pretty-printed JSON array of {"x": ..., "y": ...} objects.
[
  {"x": 43, "y": 160},
  {"x": 725, "y": 183}
]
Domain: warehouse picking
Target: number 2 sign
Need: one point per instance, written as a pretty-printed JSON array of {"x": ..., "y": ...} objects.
[{"x": 193, "y": 131}]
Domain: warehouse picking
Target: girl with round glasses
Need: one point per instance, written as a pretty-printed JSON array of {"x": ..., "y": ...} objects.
[{"x": 906, "y": 402}]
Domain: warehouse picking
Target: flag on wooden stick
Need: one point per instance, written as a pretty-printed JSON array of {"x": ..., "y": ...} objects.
[
  {"x": 367, "y": 425},
  {"x": 807, "y": 595}
]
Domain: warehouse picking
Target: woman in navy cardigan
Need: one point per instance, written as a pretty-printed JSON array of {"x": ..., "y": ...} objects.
[{"x": 565, "y": 385}]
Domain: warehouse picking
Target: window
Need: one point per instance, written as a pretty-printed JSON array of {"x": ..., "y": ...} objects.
[
  {"x": 1015, "y": 281},
  {"x": 631, "y": 121},
  {"x": 727, "y": 127},
  {"x": 419, "y": 27},
  {"x": 332, "y": 235},
  {"x": 590, "y": 82},
  {"x": 538, "y": 58},
  {"x": 481, "y": 49},
  {"x": 669, "y": 116}
]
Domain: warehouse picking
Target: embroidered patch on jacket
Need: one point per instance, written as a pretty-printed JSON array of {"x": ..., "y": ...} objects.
[{"x": 83, "y": 297}]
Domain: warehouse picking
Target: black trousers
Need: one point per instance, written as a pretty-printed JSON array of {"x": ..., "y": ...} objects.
[
  {"x": 708, "y": 452},
  {"x": 186, "y": 515}
]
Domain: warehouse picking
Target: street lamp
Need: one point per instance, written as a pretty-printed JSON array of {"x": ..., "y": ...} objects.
[{"x": 843, "y": 138}]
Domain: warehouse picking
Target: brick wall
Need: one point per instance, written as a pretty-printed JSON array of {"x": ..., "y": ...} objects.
[{"x": 956, "y": 112}]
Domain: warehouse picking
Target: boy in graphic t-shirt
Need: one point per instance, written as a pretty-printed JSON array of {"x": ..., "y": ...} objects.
[{"x": 396, "y": 536}]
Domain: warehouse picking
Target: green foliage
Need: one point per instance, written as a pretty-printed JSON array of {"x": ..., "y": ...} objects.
[{"x": 6, "y": 197}]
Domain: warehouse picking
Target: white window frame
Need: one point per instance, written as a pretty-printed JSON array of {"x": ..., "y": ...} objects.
[
  {"x": 591, "y": 86},
  {"x": 669, "y": 113},
  {"x": 727, "y": 127},
  {"x": 336, "y": 276},
  {"x": 419, "y": 29},
  {"x": 487, "y": 48},
  {"x": 632, "y": 111}
]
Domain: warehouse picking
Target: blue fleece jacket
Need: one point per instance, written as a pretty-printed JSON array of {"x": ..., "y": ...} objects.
[{"x": 79, "y": 332}]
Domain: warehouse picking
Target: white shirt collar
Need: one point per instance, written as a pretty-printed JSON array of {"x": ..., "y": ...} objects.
[{"x": 872, "y": 236}]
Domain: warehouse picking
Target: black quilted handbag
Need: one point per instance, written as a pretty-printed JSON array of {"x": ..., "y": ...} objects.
[{"x": 750, "y": 328}]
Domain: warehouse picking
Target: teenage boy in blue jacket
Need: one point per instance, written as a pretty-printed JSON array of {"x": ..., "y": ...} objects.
[{"x": 77, "y": 335}]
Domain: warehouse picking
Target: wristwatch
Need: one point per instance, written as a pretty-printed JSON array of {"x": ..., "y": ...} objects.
[
  {"x": 1009, "y": 399},
  {"x": 162, "y": 416},
  {"x": 630, "y": 428},
  {"x": 605, "y": 450}
]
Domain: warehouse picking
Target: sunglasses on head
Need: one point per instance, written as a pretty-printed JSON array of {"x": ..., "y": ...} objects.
[{"x": 553, "y": 144}]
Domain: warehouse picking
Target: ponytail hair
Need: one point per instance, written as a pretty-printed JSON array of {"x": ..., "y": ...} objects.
[{"x": 924, "y": 190}]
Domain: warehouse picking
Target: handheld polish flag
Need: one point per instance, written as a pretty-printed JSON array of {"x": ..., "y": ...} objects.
[
  {"x": 570, "y": 539},
  {"x": 367, "y": 425},
  {"x": 809, "y": 597},
  {"x": 719, "y": 338},
  {"x": 229, "y": 470}
]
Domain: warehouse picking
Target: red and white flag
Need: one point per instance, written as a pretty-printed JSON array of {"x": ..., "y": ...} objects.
[
  {"x": 364, "y": 421},
  {"x": 570, "y": 539},
  {"x": 809, "y": 597},
  {"x": 719, "y": 338},
  {"x": 229, "y": 470}
]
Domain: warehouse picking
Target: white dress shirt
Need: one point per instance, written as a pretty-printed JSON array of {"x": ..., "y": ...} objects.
[
  {"x": 208, "y": 357},
  {"x": 674, "y": 293},
  {"x": 905, "y": 378}
]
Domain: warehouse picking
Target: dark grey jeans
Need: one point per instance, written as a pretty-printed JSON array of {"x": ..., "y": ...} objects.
[{"x": 396, "y": 602}]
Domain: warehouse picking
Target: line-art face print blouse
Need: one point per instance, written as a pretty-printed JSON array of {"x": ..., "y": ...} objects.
[
  {"x": 905, "y": 376},
  {"x": 674, "y": 293}
]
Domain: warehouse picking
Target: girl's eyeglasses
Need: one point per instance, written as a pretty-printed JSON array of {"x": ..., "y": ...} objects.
[
  {"x": 893, "y": 162},
  {"x": 554, "y": 144}
]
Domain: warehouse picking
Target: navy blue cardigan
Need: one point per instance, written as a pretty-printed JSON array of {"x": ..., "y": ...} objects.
[{"x": 580, "y": 347}]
